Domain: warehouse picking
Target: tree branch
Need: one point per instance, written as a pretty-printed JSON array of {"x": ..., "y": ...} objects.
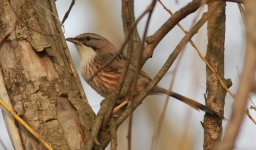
[
  {"x": 247, "y": 81},
  {"x": 138, "y": 100},
  {"x": 67, "y": 13},
  {"x": 191, "y": 7},
  {"x": 215, "y": 57}
]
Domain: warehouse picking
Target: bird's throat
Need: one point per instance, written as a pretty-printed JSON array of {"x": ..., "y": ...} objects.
[{"x": 86, "y": 54}]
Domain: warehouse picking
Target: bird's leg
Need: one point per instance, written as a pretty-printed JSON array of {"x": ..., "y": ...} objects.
[{"x": 117, "y": 108}]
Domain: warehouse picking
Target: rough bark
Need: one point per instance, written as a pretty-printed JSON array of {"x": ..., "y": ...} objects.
[
  {"x": 215, "y": 98},
  {"x": 246, "y": 83},
  {"x": 39, "y": 77}
]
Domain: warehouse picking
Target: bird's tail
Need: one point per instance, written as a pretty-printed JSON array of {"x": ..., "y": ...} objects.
[{"x": 192, "y": 103}]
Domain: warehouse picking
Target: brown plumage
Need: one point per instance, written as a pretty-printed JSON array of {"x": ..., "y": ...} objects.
[{"x": 95, "y": 51}]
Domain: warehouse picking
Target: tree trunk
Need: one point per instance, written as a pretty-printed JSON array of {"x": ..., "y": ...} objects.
[
  {"x": 215, "y": 98},
  {"x": 40, "y": 79}
]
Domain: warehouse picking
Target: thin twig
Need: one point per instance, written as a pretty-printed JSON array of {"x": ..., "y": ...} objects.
[
  {"x": 138, "y": 66},
  {"x": 241, "y": 9},
  {"x": 162, "y": 115},
  {"x": 183, "y": 14},
  {"x": 67, "y": 13},
  {"x": 166, "y": 66},
  {"x": 250, "y": 116},
  {"x": 139, "y": 54},
  {"x": 25, "y": 125},
  {"x": 128, "y": 18},
  {"x": 122, "y": 79},
  {"x": 129, "y": 135},
  {"x": 205, "y": 61},
  {"x": 191, "y": 7},
  {"x": 201, "y": 55}
]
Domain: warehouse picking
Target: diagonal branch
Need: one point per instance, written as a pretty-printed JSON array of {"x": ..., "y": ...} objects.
[
  {"x": 67, "y": 13},
  {"x": 122, "y": 88},
  {"x": 225, "y": 84},
  {"x": 191, "y": 7},
  {"x": 25, "y": 125},
  {"x": 138, "y": 100}
]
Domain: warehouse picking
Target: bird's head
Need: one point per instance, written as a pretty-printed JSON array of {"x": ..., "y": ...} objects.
[
  {"x": 96, "y": 42},
  {"x": 90, "y": 46}
]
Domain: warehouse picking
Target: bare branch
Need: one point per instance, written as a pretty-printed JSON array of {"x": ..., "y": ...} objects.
[
  {"x": 241, "y": 9},
  {"x": 216, "y": 91},
  {"x": 250, "y": 116},
  {"x": 121, "y": 86},
  {"x": 137, "y": 53},
  {"x": 67, "y": 13},
  {"x": 191, "y": 7},
  {"x": 246, "y": 81},
  {"x": 129, "y": 135},
  {"x": 224, "y": 84},
  {"x": 138, "y": 100}
]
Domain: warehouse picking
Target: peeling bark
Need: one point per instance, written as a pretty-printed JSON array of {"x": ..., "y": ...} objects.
[{"x": 42, "y": 84}]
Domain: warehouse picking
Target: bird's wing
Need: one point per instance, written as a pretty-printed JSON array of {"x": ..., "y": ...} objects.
[{"x": 115, "y": 66}]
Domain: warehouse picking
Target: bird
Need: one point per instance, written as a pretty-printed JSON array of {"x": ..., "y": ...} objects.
[{"x": 95, "y": 51}]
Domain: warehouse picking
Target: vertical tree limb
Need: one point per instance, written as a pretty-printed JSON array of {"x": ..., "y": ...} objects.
[
  {"x": 247, "y": 81},
  {"x": 215, "y": 92},
  {"x": 133, "y": 48}
]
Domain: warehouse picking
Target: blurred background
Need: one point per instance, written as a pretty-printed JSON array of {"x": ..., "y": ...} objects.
[{"x": 181, "y": 128}]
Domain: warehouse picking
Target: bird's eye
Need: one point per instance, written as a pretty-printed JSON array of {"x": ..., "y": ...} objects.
[{"x": 88, "y": 38}]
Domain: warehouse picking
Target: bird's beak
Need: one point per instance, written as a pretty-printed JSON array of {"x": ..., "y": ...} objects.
[{"x": 73, "y": 40}]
